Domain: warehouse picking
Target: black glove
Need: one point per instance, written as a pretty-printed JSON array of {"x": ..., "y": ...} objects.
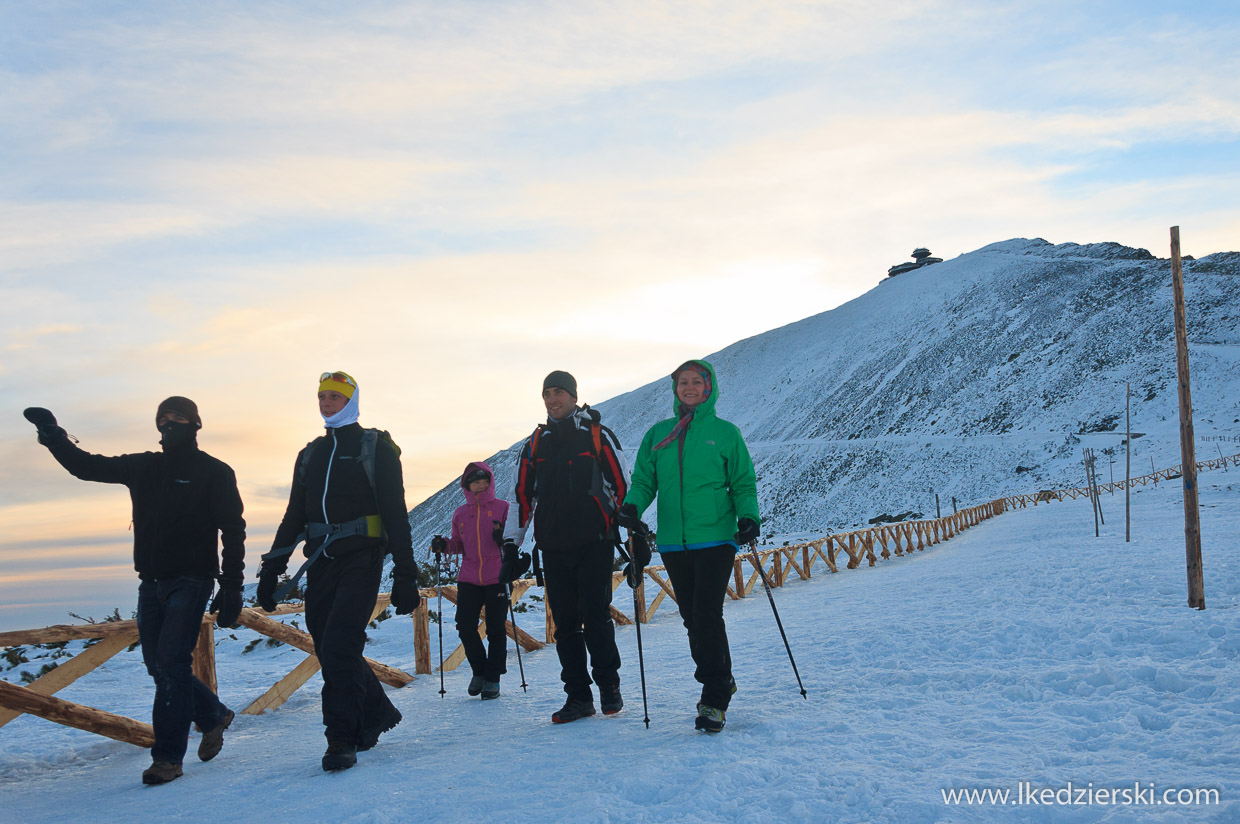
[
  {"x": 227, "y": 604},
  {"x": 497, "y": 533},
  {"x": 405, "y": 595},
  {"x": 747, "y": 532},
  {"x": 439, "y": 545},
  {"x": 515, "y": 563},
  {"x": 629, "y": 518},
  {"x": 45, "y": 422},
  {"x": 639, "y": 557},
  {"x": 268, "y": 582}
]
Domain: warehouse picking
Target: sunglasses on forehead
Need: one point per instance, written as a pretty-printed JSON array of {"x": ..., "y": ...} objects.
[{"x": 337, "y": 376}]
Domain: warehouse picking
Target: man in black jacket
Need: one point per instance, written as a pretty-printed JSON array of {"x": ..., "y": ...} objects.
[
  {"x": 569, "y": 472},
  {"x": 182, "y": 498},
  {"x": 348, "y": 503}
]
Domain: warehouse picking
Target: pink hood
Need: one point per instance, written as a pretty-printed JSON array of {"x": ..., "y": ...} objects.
[{"x": 472, "y": 524}]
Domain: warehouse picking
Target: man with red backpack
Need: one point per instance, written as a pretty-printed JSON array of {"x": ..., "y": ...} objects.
[{"x": 569, "y": 474}]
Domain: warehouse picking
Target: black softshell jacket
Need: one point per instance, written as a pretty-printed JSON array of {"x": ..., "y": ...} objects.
[
  {"x": 184, "y": 500},
  {"x": 335, "y": 466}
]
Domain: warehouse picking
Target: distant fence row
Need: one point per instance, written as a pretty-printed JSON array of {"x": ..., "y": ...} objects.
[{"x": 850, "y": 548}]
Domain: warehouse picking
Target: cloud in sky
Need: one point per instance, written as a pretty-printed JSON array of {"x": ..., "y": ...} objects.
[{"x": 224, "y": 199}]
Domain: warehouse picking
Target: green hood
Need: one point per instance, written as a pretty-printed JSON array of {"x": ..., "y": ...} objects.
[{"x": 706, "y": 406}]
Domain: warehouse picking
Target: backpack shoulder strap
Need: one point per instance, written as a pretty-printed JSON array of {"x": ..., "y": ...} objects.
[
  {"x": 303, "y": 466},
  {"x": 535, "y": 438}
]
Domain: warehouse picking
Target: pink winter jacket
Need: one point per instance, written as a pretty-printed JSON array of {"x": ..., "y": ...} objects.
[{"x": 472, "y": 524}]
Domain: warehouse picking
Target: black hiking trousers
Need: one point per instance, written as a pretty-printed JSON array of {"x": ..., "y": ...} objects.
[
  {"x": 579, "y": 593},
  {"x": 490, "y": 663},
  {"x": 700, "y": 580},
  {"x": 340, "y": 597}
]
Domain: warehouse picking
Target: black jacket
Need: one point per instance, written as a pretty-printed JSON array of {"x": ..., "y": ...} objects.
[
  {"x": 181, "y": 500},
  {"x": 575, "y": 488},
  {"x": 335, "y": 464}
]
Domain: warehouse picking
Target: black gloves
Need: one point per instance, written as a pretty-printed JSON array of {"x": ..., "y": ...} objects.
[
  {"x": 639, "y": 559},
  {"x": 268, "y": 582},
  {"x": 515, "y": 563},
  {"x": 629, "y": 518},
  {"x": 497, "y": 533},
  {"x": 45, "y": 421},
  {"x": 747, "y": 532},
  {"x": 227, "y": 603},
  {"x": 405, "y": 595}
]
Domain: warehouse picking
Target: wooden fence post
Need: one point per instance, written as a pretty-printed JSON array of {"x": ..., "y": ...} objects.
[
  {"x": 1192, "y": 522},
  {"x": 204, "y": 654}
]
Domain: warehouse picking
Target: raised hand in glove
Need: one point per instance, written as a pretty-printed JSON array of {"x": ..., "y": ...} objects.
[
  {"x": 227, "y": 603},
  {"x": 268, "y": 582},
  {"x": 515, "y": 563},
  {"x": 497, "y": 533},
  {"x": 439, "y": 545},
  {"x": 639, "y": 557},
  {"x": 629, "y": 518},
  {"x": 747, "y": 531},
  {"x": 405, "y": 595},
  {"x": 45, "y": 422}
]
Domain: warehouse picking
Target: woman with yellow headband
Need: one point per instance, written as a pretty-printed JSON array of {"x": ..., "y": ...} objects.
[{"x": 348, "y": 504}]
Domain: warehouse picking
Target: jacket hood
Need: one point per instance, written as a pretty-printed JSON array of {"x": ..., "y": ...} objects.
[
  {"x": 487, "y": 495},
  {"x": 707, "y": 406}
]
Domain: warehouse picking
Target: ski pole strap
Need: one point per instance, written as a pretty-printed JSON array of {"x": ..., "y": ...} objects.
[{"x": 370, "y": 526}]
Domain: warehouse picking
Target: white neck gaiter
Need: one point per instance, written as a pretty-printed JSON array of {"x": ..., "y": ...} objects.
[{"x": 345, "y": 416}]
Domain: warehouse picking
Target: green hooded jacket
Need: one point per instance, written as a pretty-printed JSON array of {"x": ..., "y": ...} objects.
[{"x": 702, "y": 490}]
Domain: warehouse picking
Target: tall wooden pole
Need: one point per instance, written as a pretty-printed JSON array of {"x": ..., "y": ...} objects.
[
  {"x": 1188, "y": 457},
  {"x": 1127, "y": 462}
]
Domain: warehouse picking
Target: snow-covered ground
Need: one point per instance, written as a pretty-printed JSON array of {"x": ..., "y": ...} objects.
[{"x": 1024, "y": 650}]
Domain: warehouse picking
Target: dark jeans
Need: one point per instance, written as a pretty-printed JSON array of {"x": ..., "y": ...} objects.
[
  {"x": 700, "y": 580},
  {"x": 579, "y": 594},
  {"x": 340, "y": 596},
  {"x": 470, "y": 598},
  {"x": 169, "y": 618}
]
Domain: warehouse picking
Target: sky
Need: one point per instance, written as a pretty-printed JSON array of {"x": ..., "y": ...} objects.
[{"x": 448, "y": 201}]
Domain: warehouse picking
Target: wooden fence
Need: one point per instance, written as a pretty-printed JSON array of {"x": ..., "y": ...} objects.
[{"x": 851, "y": 548}]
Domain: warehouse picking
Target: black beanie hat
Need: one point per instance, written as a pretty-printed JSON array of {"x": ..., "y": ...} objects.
[
  {"x": 563, "y": 380},
  {"x": 182, "y": 406}
]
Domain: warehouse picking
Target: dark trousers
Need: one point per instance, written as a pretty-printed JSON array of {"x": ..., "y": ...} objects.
[
  {"x": 579, "y": 594},
  {"x": 700, "y": 580},
  {"x": 470, "y": 598},
  {"x": 169, "y": 617},
  {"x": 340, "y": 597}
]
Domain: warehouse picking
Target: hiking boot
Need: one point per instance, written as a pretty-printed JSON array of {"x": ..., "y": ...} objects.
[
  {"x": 490, "y": 689},
  {"x": 610, "y": 701},
  {"x": 475, "y": 685},
  {"x": 161, "y": 772},
  {"x": 573, "y": 709},
  {"x": 213, "y": 739},
  {"x": 708, "y": 719},
  {"x": 340, "y": 755},
  {"x": 370, "y": 735}
]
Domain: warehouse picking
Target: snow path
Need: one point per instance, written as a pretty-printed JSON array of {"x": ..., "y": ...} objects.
[{"x": 1023, "y": 650}]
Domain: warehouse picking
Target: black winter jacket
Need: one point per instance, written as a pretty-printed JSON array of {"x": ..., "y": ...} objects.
[
  {"x": 575, "y": 493},
  {"x": 181, "y": 499},
  {"x": 335, "y": 465}
]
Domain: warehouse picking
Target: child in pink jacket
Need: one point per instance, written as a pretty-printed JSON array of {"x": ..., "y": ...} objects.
[{"x": 475, "y": 525}]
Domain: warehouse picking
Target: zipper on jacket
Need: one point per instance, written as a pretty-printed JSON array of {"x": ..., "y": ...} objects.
[
  {"x": 478, "y": 533},
  {"x": 328, "y": 477}
]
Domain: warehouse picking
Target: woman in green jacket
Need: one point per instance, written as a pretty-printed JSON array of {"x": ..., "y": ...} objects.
[{"x": 699, "y": 468}]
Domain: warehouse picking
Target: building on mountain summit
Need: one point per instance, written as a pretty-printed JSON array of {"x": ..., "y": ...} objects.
[{"x": 921, "y": 257}]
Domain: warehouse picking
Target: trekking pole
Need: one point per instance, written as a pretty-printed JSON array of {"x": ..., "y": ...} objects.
[
  {"x": 439, "y": 592},
  {"x": 757, "y": 562},
  {"x": 641, "y": 661},
  {"x": 516, "y": 637}
]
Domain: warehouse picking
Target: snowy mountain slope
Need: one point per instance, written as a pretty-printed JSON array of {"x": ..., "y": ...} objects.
[
  {"x": 1023, "y": 650},
  {"x": 969, "y": 377}
]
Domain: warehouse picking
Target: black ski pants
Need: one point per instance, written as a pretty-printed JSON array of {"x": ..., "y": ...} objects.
[
  {"x": 169, "y": 619},
  {"x": 340, "y": 597},
  {"x": 579, "y": 594},
  {"x": 470, "y": 599},
  {"x": 700, "y": 580}
]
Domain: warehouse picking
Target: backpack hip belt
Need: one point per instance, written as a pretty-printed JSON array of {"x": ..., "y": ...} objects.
[{"x": 369, "y": 526}]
